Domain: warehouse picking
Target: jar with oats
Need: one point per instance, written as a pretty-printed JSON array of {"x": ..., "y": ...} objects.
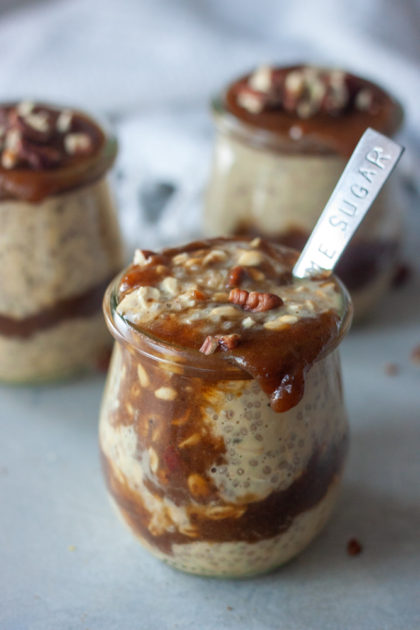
[
  {"x": 223, "y": 431},
  {"x": 284, "y": 136},
  {"x": 60, "y": 243}
]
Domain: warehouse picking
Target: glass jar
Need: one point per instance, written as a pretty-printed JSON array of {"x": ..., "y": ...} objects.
[
  {"x": 208, "y": 477},
  {"x": 60, "y": 245},
  {"x": 275, "y": 184}
]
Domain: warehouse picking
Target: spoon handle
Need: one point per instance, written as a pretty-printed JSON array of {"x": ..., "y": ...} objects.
[{"x": 370, "y": 165}]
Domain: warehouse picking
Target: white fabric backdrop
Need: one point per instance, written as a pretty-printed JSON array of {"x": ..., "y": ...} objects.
[{"x": 151, "y": 66}]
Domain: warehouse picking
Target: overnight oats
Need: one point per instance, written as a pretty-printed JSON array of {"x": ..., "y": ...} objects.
[
  {"x": 284, "y": 136},
  {"x": 223, "y": 430},
  {"x": 59, "y": 241}
]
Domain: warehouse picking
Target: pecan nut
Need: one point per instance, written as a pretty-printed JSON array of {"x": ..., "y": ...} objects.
[
  {"x": 228, "y": 342},
  {"x": 38, "y": 156},
  {"x": 236, "y": 275},
  {"x": 254, "y": 300},
  {"x": 78, "y": 144},
  {"x": 225, "y": 342},
  {"x": 253, "y": 101},
  {"x": 35, "y": 127},
  {"x": 210, "y": 345}
]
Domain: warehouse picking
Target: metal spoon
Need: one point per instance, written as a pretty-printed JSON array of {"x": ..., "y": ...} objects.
[{"x": 370, "y": 165}]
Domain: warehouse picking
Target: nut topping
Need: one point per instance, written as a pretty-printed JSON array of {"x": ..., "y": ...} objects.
[
  {"x": 262, "y": 79},
  {"x": 210, "y": 345},
  {"x": 224, "y": 342},
  {"x": 251, "y": 100},
  {"x": 77, "y": 143},
  {"x": 236, "y": 276},
  {"x": 40, "y": 137},
  {"x": 304, "y": 91},
  {"x": 39, "y": 156},
  {"x": 142, "y": 256},
  {"x": 228, "y": 342},
  {"x": 24, "y": 108},
  {"x": 64, "y": 121},
  {"x": 9, "y": 159},
  {"x": 254, "y": 301}
]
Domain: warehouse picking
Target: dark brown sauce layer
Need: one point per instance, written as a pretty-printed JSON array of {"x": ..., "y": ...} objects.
[
  {"x": 83, "y": 305},
  {"x": 260, "y": 520},
  {"x": 46, "y": 168},
  {"x": 321, "y": 133}
]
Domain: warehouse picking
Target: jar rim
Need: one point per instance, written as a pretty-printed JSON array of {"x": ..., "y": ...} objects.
[{"x": 154, "y": 348}]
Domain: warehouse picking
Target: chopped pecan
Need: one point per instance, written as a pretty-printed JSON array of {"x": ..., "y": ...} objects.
[
  {"x": 236, "y": 275},
  {"x": 39, "y": 156},
  {"x": 64, "y": 121},
  {"x": 254, "y": 301},
  {"x": 141, "y": 256},
  {"x": 228, "y": 342},
  {"x": 251, "y": 100},
  {"x": 354, "y": 547},
  {"x": 415, "y": 355},
  {"x": 9, "y": 159},
  {"x": 224, "y": 342},
  {"x": 210, "y": 345},
  {"x": 77, "y": 143},
  {"x": 198, "y": 295},
  {"x": 36, "y": 127},
  {"x": 262, "y": 79}
]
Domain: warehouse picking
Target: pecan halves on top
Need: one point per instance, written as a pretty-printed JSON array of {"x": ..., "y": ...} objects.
[{"x": 254, "y": 300}]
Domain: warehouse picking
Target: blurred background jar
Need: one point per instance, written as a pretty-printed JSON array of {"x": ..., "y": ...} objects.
[
  {"x": 60, "y": 242},
  {"x": 283, "y": 138}
]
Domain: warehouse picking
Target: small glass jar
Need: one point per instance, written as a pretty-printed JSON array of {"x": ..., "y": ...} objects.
[
  {"x": 274, "y": 180},
  {"x": 208, "y": 477},
  {"x": 60, "y": 244}
]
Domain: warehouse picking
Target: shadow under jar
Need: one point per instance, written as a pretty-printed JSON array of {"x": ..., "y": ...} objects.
[
  {"x": 284, "y": 136},
  {"x": 223, "y": 431},
  {"x": 60, "y": 242}
]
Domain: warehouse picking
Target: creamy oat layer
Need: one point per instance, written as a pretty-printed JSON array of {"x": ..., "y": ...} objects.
[
  {"x": 223, "y": 448},
  {"x": 71, "y": 346},
  {"x": 273, "y": 193},
  {"x": 56, "y": 249}
]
